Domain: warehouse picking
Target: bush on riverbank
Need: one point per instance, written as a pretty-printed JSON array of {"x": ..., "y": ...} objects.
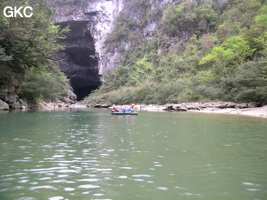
[
  {"x": 247, "y": 83},
  {"x": 44, "y": 84}
]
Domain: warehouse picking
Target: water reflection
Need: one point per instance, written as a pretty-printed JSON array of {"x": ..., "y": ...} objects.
[{"x": 92, "y": 155}]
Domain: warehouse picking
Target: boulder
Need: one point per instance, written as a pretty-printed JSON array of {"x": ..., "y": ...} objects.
[
  {"x": 37, "y": 106},
  {"x": 192, "y": 106},
  {"x": 13, "y": 100},
  {"x": 230, "y": 105},
  {"x": 253, "y": 104},
  {"x": 3, "y": 105},
  {"x": 101, "y": 105},
  {"x": 181, "y": 109},
  {"x": 97, "y": 106},
  {"x": 169, "y": 108},
  {"x": 219, "y": 105},
  {"x": 242, "y": 105}
]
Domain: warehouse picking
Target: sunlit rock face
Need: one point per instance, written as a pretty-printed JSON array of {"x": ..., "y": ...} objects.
[
  {"x": 90, "y": 22},
  {"x": 104, "y": 14}
]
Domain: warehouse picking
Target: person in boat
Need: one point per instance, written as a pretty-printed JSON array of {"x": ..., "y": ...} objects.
[
  {"x": 114, "y": 110},
  {"x": 131, "y": 109}
]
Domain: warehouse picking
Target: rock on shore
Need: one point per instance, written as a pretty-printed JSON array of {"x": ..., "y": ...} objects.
[
  {"x": 210, "y": 105},
  {"x": 3, "y": 105},
  {"x": 59, "y": 105}
]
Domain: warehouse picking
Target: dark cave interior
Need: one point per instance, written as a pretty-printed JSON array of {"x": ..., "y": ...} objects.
[
  {"x": 83, "y": 92},
  {"x": 79, "y": 60}
]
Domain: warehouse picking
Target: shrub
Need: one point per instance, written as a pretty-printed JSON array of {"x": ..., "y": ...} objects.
[{"x": 39, "y": 86}]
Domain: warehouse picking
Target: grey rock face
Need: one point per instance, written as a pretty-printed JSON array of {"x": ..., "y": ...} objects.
[
  {"x": 90, "y": 23},
  {"x": 12, "y": 100},
  {"x": 3, "y": 105}
]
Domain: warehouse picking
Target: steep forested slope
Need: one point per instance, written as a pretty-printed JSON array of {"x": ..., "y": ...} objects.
[
  {"x": 188, "y": 51},
  {"x": 27, "y": 48}
]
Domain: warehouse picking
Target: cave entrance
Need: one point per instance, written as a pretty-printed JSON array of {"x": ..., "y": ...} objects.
[
  {"x": 79, "y": 60},
  {"x": 81, "y": 89},
  {"x": 83, "y": 92}
]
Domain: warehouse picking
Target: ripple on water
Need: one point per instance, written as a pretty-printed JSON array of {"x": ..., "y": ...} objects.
[
  {"x": 69, "y": 189},
  {"x": 88, "y": 180},
  {"x": 58, "y": 156},
  {"x": 163, "y": 188},
  {"x": 43, "y": 187},
  {"x": 56, "y": 198},
  {"x": 98, "y": 195},
  {"x": 60, "y": 181},
  {"x": 142, "y": 176},
  {"x": 255, "y": 187},
  {"x": 104, "y": 170},
  {"x": 189, "y": 194},
  {"x": 251, "y": 184},
  {"x": 122, "y": 177},
  {"x": 40, "y": 170},
  {"x": 180, "y": 188},
  {"x": 88, "y": 186},
  {"x": 23, "y": 181},
  {"x": 125, "y": 168}
]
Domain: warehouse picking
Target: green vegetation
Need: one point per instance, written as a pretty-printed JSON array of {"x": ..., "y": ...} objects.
[
  {"x": 27, "y": 50},
  {"x": 199, "y": 52}
]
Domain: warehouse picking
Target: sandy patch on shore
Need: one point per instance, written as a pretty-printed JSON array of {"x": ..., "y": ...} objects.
[{"x": 253, "y": 112}]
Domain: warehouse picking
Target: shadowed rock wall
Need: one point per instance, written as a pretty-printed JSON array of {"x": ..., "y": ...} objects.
[
  {"x": 84, "y": 59},
  {"x": 79, "y": 61}
]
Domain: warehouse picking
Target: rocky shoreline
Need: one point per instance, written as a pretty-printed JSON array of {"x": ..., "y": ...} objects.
[
  {"x": 42, "y": 106},
  {"x": 248, "y": 109}
]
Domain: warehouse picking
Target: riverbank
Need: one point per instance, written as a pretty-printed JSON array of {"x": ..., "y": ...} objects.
[{"x": 247, "y": 109}]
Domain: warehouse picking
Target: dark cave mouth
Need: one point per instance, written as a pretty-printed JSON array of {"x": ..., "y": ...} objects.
[
  {"x": 83, "y": 87},
  {"x": 79, "y": 60},
  {"x": 82, "y": 92}
]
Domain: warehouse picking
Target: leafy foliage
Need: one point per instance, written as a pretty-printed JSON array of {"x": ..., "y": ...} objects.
[
  {"x": 203, "y": 52},
  {"x": 43, "y": 84},
  {"x": 225, "y": 58},
  {"x": 28, "y": 45}
]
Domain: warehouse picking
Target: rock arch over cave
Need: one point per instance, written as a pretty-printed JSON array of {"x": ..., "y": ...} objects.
[{"x": 79, "y": 60}]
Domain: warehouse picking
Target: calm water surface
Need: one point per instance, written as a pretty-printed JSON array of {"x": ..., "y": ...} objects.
[{"x": 93, "y": 155}]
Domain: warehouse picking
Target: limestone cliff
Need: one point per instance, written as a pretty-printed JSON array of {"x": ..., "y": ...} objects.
[
  {"x": 90, "y": 22},
  {"x": 103, "y": 32}
]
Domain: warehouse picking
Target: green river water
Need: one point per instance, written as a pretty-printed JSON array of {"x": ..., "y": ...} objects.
[{"x": 89, "y": 154}]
